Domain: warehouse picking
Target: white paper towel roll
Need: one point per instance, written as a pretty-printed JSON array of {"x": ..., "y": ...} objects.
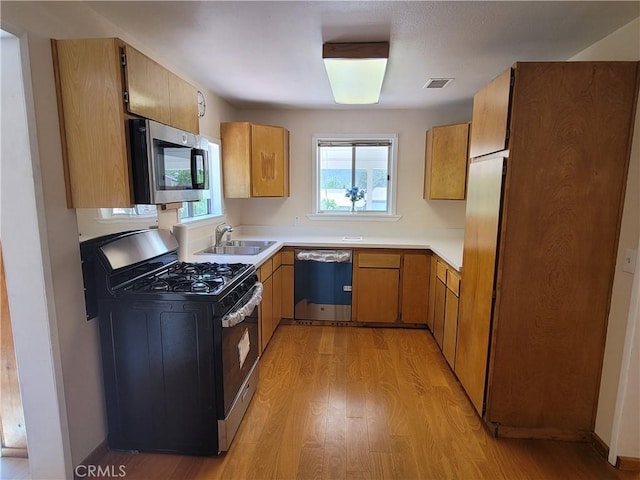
[{"x": 182, "y": 235}]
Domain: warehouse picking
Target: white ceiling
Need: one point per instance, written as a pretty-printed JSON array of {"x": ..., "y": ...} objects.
[{"x": 269, "y": 54}]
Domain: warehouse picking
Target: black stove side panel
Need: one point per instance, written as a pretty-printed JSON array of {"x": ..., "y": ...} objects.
[
  {"x": 92, "y": 272},
  {"x": 159, "y": 376}
]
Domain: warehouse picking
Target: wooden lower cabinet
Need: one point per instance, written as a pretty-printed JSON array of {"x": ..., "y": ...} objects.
[
  {"x": 287, "y": 284},
  {"x": 265, "y": 314},
  {"x": 431, "y": 306},
  {"x": 415, "y": 287},
  {"x": 391, "y": 286},
  {"x": 439, "y": 311},
  {"x": 450, "y": 339},
  {"x": 270, "y": 311},
  {"x": 376, "y": 287},
  {"x": 445, "y": 299}
]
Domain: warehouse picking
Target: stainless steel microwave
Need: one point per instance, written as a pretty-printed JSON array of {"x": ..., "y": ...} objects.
[{"x": 168, "y": 165}]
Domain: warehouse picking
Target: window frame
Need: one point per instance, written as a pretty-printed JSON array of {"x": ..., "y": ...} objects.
[
  {"x": 376, "y": 215},
  {"x": 213, "y": 182}
]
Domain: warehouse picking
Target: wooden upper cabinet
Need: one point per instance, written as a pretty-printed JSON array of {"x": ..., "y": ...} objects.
[
  {"x": 489, "y": 131},
  {"x": 446, "y": 155},
  {"x": 147, "y": 84},
  {"x": 158, "y": 94},
  {"x": 91, "y": 87},
  {"x": 183, "y": 104},
  {"x": 92, "y": 122},
  {"x": 255, "y": 160},
  {"x": 269, "y": 165}
]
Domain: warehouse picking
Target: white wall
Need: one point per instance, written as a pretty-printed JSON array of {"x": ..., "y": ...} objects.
[
  {"x": 623, "y": 44},
  {"x": 28, "y": 272},
  {"x": 79, "y": 361},
  {"x": 410, "y": 126}
]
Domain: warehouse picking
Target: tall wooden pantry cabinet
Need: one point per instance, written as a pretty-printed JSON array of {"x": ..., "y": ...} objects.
[{"x": 550, "y": 150}]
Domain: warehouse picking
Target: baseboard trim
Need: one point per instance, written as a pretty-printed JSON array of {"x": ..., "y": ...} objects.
[
  {"x": 96, "y": 454},
  {"x": 599, "y": 446},
  {"x": 14, "y": 452},
  {"x": 541, "y": 433},
  {"x": 628, "y": 464}
]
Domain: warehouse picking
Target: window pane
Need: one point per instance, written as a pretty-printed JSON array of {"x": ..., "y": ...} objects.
[
  {"x": 335, "y": 177},
  {"x": 341, "y": 167},
  {"x": 211, "y": 203},
  {"x": 372, "y": 173}
]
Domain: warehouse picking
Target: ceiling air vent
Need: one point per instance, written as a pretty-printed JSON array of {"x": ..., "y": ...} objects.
[{"x": 437, "y": 82}]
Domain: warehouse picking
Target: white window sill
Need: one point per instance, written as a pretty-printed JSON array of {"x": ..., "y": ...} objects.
[{"x": 354, "y": 217}]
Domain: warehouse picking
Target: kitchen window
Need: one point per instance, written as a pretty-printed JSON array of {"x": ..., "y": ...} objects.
[
  {"x": 211, "y": 203},
  {"x": 364, "y": 164}
]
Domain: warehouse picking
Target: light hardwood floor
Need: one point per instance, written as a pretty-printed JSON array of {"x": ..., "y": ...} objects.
[{"x": 350, "y": 403}]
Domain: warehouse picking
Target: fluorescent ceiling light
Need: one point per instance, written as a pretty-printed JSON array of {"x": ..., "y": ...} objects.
[{"x": 356, "y": 71}]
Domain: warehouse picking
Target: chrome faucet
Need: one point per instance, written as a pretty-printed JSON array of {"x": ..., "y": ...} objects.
[{"x": 220, "y": 231}]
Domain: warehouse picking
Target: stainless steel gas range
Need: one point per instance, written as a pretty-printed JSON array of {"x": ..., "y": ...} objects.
[{"x": 179, "y": 343}]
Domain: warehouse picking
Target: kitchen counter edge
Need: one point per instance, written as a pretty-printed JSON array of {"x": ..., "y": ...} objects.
[{"x": 450, "y": 250}]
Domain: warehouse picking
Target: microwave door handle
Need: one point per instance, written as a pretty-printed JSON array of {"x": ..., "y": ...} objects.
[
  {"x": 195, "y": 184},
  {"x": 237, "y": 316}
]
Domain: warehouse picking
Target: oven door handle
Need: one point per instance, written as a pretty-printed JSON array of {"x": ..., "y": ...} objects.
[{"x": 238, "y": 315}]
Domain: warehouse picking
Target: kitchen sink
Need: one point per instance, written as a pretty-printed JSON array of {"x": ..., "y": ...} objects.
[
  {"x": 240, "y": 247},
  {"x": 249, "y": 243}
]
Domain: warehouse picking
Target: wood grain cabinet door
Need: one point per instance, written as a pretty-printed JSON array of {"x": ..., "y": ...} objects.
[
  {"x": 92, "y": 122},
  {"x": 479, "y": 260},
  {"x": 236, "y": 159},
  {"x": 265, "y": 313},
  {"x": 438, "y": 319},
  {"x": 431, "y": 307},
  {"x": 267, "y": 161},
  {"x": 376, "y": 287},
  {"x": 183, "y": 104},
  {"x": 277, "y": 298},
  {"x": 489, "y": 124},
  {"x": 415, "y": 287},
  {"x": 148, "y": 87},
  {"x": 446, "y": 155},
  {"x": 287, "y": 284},
  {"x": 450, "y": 338},
  {"x": 377, "y": 295}
]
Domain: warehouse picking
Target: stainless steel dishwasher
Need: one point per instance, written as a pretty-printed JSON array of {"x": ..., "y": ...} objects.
[{"x": 322, "y": 285}]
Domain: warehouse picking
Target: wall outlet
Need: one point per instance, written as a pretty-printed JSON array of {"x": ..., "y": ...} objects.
[{"x": 629, "y": 264}]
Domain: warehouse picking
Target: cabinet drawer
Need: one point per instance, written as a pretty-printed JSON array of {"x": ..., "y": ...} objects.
[
  {"x": 441, "y": 272},
  {"x": 379, "y": 260},
  {"x": 453, "y": 283}
]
